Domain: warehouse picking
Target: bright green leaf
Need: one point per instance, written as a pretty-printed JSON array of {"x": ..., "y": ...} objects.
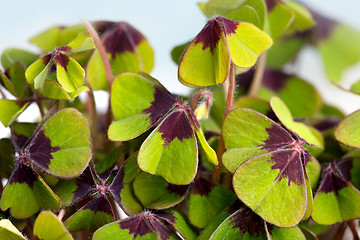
[
  {"x": 12, "y": 55},
  {"x": 37, "y": 72},
  {"x": 26, "y": 193},
  {"x": 48, "y": 227},
  {"x": 8, "y": 231},
  {"x": 82, "y": 42},
  {"x": 10, "y": 110},
  {"x": 135, "y": 106},
  {"x": 155, "y": 193},
  {"x": 69, "y": 74},
  {"x": 210, "y": 153},
  {"x": 348, "y": 131}
]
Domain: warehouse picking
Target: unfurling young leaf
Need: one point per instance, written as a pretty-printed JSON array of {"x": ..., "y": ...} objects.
[
  {"x": 170, "y": 151},
  {"x": 207, "y": 59},
  {"x": 69, "y": 72}
]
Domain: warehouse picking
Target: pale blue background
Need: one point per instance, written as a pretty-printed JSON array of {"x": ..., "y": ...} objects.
[{"x": 165, "y": 23}]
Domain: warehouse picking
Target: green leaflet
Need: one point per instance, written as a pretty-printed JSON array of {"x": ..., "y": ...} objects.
[
  {"x": 61, "y": 146},
  {"x": 347, "y": 132},
  {"x": 10, "y": 110},
  {"x": 82, "y": 42},
  {"x": 53, "y": 90},
  {"x": 26, "y": 193},
  {"x": 14, "y": 80},
  {"x": 182, "y": 226},
  {"x": 344, "y": 39},
  {"x": 155, "y": 193},
  {"x": 210, "y": 153},
  {"x": 207, "y": 59},
  {"x": 128, "y": 51},
  {"x": 336, "y": 200},
  {"x": 207, "y": 201},
  {"x": 13, "y": 55},
  {"x": 92, "y": 216},
  {"x": 244, "y": 224},
  {"x": 132, "y": 104},
  {"x": 48, "y": 227},
  {"x": 271, "y": 189},
  {"x": 284, "y": 115},
  {"x": 8, "y": 231},
  {"x": 37, "y": 72},
  {"x": 280, "y": 18},
  {"x": 174, "y": 159},
  {"x": 70, "y": 75}
]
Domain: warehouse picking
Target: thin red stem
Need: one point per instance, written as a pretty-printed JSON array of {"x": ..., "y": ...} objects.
[
  {"x": 108, "y": 72},
  {"x": 103, "y": 55},
  {"x": 353, "y": 229}
]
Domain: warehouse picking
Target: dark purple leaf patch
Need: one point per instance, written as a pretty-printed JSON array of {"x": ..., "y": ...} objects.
[
  {"x": 209, "y": 36},
  {"x": 147, "y": 222},
  {"x": 331, "y": 180},
  {"x": 162, "y": 104},
  {"x": 275, "y": 80},
  {"x": 85, "y": 184},
  {"x": 23, "y": 174},
  {"x": 177, "y": 189},
  {"x": 120, "y": 38},
  {"x": 117, "y": 185},
  {"x": 344, "y": 167},
  {"x": 287, "y": 154},
  {"x": 290, "y": 165},
  {"x": 62, "y": 60},
  {"x": 229, "y": 26},
  {"x": 202, "y": 187},
  {"x": 324, "y": 26},
  {"x": 270, "y": 4},
  {"x": 38, "y": 151},
  {"x": 176, "y": 125},
  {"x": 247, "y": 221},
  {"x": 101, "y": 204},
  {"x": 278, "y": 138},
  {"x": 46, "y": 59}
]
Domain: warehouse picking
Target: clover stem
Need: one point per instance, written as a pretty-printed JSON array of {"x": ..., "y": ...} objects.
[
  {"x": 103, "y": 55},
  {"x": 2, "y": 94},
  {"x": 216, "y": 174},
  {"x": 198, "y": 95},
  {"x": 258, "y": 76},
  {"x": 1, "y": 185},
  {"x": 340, "y": 231},
  {"x": 91, "y": 110},
  {"x": 231, "y": 90},
  {"x": 108, "y": 72},
  {"x": 41, "y": 107},
  {"x": 352, "y": 227},
  {"x": 61, "y": 214}
]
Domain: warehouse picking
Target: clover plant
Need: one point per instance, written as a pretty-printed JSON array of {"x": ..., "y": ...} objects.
[{"x": 258, "y": 155}]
